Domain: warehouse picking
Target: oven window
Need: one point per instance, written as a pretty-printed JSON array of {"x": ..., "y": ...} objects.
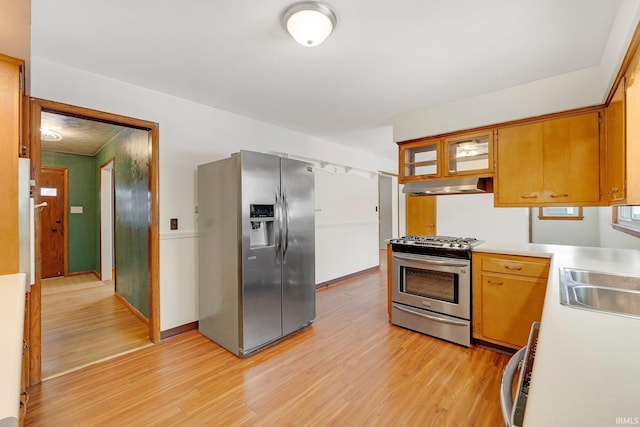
[{"x": 430, "y": 284}]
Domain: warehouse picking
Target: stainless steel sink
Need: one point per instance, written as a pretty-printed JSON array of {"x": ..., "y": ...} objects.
[{"x": 602, "y": 292}]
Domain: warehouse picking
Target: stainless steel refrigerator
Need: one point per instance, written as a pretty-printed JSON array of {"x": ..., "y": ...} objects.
[{"x": 256, "y": 249}]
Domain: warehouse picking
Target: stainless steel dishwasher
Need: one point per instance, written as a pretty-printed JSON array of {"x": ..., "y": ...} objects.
[{"x": 513, "y": 412}]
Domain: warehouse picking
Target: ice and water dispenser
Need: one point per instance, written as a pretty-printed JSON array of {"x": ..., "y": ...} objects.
[{"x": 262, "y": 229}]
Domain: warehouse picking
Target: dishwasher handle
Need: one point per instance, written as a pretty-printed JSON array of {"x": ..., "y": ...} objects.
[{"x": 506, "y": 385}]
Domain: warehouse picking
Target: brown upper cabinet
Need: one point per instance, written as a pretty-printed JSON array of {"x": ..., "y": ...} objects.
[
  {"x": 469, "y": 154},
  {"x": 455, "y": 155},
  {"x": 549, "y": 162},
  {"x": 631, "y": 127},
  {"x": 616, "y": 168},
  {"x": 420, "y": 159}
]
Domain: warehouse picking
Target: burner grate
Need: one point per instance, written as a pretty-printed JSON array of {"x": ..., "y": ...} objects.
[{"x": 458, "y": 247}]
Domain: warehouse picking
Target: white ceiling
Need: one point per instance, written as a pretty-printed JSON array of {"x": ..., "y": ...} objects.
[{"x": 383, "y": 60}]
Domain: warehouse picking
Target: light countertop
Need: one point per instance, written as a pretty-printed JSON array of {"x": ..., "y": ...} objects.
[
  {"x": 12, "y": 294},
  {"x": 587, "y": 365}
]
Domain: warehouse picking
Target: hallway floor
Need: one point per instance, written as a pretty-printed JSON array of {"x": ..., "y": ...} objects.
[{"x": 84, "y": 322}]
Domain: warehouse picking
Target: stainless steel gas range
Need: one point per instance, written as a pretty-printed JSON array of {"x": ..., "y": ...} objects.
[{"x": 431, "y": 286}]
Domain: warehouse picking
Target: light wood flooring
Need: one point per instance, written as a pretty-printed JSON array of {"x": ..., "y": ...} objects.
[
  {"x": 84, "y": 322},
  {"x": 350, "y": 368}
]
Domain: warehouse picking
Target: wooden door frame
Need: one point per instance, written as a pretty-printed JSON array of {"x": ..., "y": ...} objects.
[
  {"x": 65, "y": 217},
  {"x": 37, "y": 106}
]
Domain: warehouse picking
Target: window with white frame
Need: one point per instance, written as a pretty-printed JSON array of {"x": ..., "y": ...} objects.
[
  {"x": 627, "y": 218},
  {"x": 560, "y": 212}
]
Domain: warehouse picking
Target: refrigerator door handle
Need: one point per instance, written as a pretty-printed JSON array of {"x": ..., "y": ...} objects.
[
  {"x": 286, "y": 223},
  {"x": 279, "y": 231}
]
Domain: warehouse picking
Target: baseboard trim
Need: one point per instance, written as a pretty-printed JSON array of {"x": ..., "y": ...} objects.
[
  {"x": 348, "y": 276},
  {"x": 132, "y": 309},
  {"x": 178, "y": 330},
  {"x": 80, "y": 273}
]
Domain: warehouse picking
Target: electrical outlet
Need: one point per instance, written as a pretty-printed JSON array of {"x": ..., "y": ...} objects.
[{"x": 174, "y": 223}]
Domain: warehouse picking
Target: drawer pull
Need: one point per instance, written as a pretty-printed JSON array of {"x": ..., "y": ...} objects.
[
  {"x": 513, "y": 267},
  {"x": 493, "y": 282},
  {"x": 558, "y": 195}
]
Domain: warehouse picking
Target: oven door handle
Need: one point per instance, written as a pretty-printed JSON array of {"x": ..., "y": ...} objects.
[
  {"x": 430, "y": 260},
  {"x": 426, "y": 316}
]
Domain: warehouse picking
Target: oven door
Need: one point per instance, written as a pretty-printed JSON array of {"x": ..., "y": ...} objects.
[{"x": 438, "y": 284}]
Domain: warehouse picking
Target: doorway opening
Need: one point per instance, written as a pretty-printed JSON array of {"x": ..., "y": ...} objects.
[
  {"x": 107, "y": 202},
  {"x": 117, "y": 216},
  {"x": 388, "y": 208}
]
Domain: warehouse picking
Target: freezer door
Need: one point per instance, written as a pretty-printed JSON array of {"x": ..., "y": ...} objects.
[
  {"x": 261, "y": 288},
  {"x": 298, "y": 273}
]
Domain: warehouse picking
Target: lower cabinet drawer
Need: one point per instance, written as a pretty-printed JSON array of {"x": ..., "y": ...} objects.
[
  {"x": 521, "y": 266},
  {"x": 509, "y": 306}
]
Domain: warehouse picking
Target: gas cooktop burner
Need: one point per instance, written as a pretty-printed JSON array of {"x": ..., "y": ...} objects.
[{"x": 460, "y": 243}]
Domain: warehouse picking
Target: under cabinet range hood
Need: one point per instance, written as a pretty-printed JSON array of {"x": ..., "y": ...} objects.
[{"x": 465, "y": 185}]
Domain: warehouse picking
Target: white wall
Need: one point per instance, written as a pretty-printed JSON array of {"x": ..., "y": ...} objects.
[
  {"x": 192, "y": 134},
  {"x": 106, "y": 222},
  {"x": 572, "y": 90},
  {"x": 611, "y": 238},
  {"x": 346, "y": 224},
  {"x": 473, "y": 215},
  {"x": 585, "y": 232},
  {"x": 594, "y": 230}
]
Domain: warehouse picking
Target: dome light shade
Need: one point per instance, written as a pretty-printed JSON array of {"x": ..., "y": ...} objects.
[
  {"x": 49, "y": 135},
  {"x": 309, "y": 22}
]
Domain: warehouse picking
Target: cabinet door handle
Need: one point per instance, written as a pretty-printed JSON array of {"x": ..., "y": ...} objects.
[
  {"x": 613, "y": 191},
  {"x": 559, "y": 195},
  {"x": 513, "y": 267},
  {"x": 493, "y": 282},
  {"x": 531, "y": 196}
]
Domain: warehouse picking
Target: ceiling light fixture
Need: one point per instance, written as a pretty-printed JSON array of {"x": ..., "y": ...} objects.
[
  {"x": 49, "y": 135},
  {"x": 309, "y": 22}
]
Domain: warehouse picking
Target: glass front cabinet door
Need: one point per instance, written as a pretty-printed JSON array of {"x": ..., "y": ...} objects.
[
  {"x": 469, "y": 154},
  {"x": 420, "y": 160}
]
